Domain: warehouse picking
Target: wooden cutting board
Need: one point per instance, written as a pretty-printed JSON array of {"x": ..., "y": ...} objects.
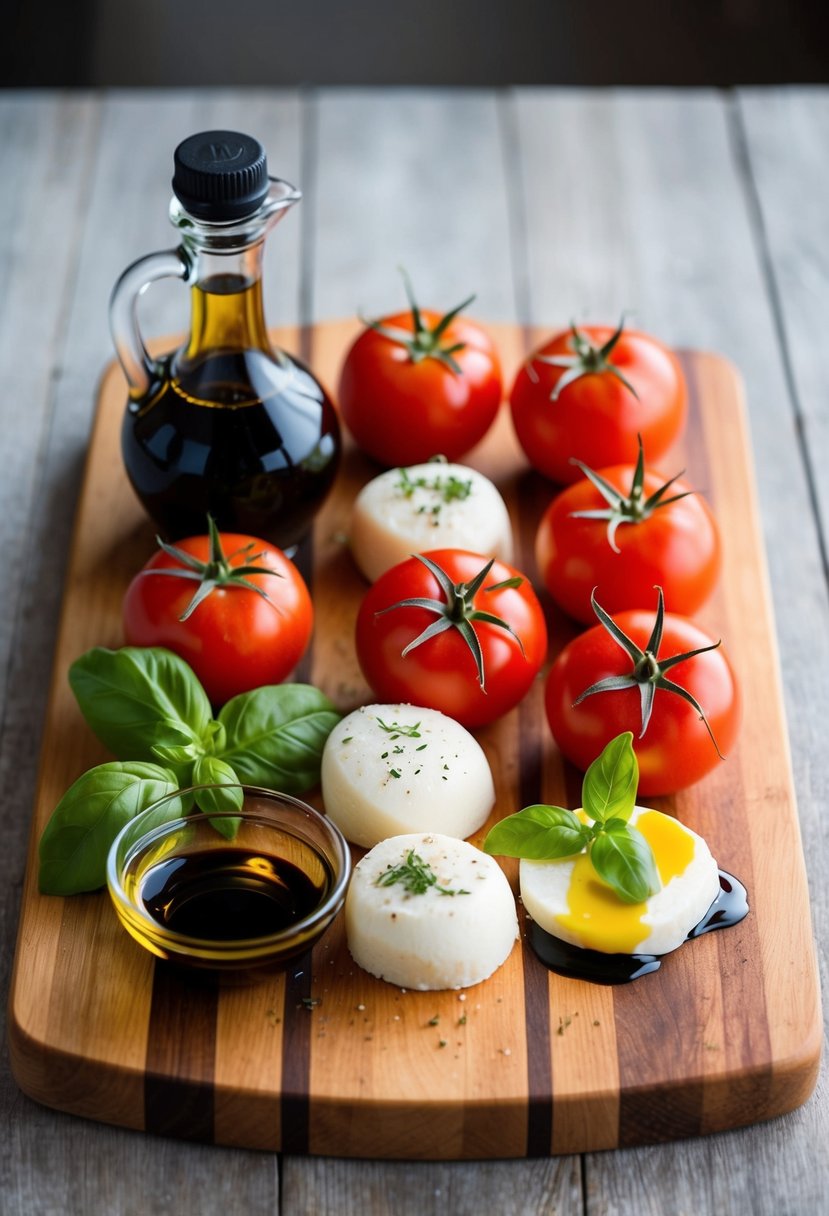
[{"x": 325, "y": 1059}]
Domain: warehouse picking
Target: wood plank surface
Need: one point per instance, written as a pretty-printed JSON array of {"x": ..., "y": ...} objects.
[
  {"x": 725, "y": 192},
  {"x": 728, "y": 1032}
]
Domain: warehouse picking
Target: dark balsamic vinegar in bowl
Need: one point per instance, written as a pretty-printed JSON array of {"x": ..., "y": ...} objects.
[
  {"x": 237, "y": 890},
  {"x": 231, "y": 894}
]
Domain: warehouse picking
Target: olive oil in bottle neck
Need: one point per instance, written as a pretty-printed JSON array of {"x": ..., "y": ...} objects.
[{"x": 227, "y": 311}]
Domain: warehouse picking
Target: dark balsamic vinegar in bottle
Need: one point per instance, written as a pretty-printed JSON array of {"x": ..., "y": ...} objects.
[{"x": 226, "y": 424}]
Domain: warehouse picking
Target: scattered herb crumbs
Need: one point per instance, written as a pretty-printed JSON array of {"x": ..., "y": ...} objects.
[
  {"x": 433, "y": 1021},
  {"x": 310, "y": 1002},
  {"x": 393, "y": 772},
  {"x": 396, "y": 730},
  {"x": 441, "y": 1042},
  {"x": 450, "y": 488},
  {"x": 347, "y": 739},
  {"x": 563, "y": 1023},
  {"x": 462, "y": 1020},
  {"x": 416, "y": 875},
  {"x": 421, "y": 746}
]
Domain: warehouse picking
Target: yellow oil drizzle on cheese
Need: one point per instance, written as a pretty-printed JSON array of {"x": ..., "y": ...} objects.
[{"x": 601, "y": 920}]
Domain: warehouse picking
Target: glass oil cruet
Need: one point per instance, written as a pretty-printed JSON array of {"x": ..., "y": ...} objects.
[{"x": 226, "y": 424}]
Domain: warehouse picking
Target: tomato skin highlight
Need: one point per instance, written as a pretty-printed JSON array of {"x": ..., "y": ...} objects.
[
  {"x": 676, "y": 750},
  {"x": 596, "y": 419},
  {"x": 234, "y": 640},
  {"x": 441, "y": 672},
  {"x": 676, "y": 548},
  {"x": 403, "y": 412}
]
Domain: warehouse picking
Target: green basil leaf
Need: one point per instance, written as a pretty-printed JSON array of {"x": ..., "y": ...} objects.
[
  {"x": 170, "y": 733},
  {"x": 624, "y": 859},
  {"x": 78, "y": 836},
  {"x": 609, "y": 787},
  {"x": 275, "y": 735},
  {"x": 179, "y": 758},
  {"x": 538, "y": 833},
  {"x": 214, "y": 738},
  {"x": 224, "y": 794},
  {"x": 126, "y": 695},
  {"x": 613, "y": 825}
]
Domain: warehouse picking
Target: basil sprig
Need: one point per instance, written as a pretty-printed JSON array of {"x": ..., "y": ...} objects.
[
  {"x": 620, "y": 854},
  {"x": 147, "y": 706}
]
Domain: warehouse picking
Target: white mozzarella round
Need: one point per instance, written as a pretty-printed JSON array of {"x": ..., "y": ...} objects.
[
  {"x": 567, "y": 899},
  {"x": 432, "y": 939},
  {"x": 388, "y": 769},
  {"x": 427, "y": 506}
]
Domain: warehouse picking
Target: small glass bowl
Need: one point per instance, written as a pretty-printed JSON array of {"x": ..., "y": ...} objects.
[{"x": 263, "y": 893}]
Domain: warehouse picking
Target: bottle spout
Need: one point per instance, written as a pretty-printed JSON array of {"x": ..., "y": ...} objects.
[
  {"x": 282, "y": 194},
  {"x": 280, "y": 198}
]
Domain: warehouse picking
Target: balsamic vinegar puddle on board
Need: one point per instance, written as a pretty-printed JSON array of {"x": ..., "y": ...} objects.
[
  {"x": 231, "y": 894},
  {"x": 729, "y": 908}
]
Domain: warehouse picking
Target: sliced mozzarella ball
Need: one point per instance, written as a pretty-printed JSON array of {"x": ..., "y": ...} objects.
[
  {"x": 451, "y": 934},
  {"x": 568, "y": 899},
  {"x": 427, "y": 506},
  {"x": 388, "y": 769}
]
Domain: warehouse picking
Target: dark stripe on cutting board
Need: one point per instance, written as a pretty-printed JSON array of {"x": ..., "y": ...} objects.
[
  {"x": 181, "y": 1052},
  {"x": 539, "y": 1052},
  {"x": 533, "y": 495},
  {"x": 296, "y": 1021},
  {"x": 296, "y": 1057}
]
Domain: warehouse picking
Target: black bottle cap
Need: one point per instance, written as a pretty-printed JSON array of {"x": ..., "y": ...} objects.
[{"x": 220, "y": 175}]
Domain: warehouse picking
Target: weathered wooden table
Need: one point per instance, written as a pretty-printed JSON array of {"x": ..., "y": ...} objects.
[{"x": 703, "y": 214}]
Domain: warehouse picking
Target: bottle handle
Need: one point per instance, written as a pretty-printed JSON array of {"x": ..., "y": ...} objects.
[{"x": 139, "y": 368}]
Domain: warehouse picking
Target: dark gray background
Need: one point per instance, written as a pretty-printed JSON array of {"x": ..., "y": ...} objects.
[{"x": 428, "y": 42}]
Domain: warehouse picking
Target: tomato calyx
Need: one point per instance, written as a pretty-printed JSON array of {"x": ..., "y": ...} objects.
[
  {"x": 458, "y": 611},
  {"x": 632, "y": 508},
  {"x": 648, "y": 673},
  {"x": 588, "y": 360},
  {"x": 423, "y": 342},
  {"x": 216, "y": 571}
]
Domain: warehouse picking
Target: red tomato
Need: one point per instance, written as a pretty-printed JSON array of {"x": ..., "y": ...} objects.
[
  {"x": 676, "y": 749},
  {"x": 676, "y": 546},
  {"x": 441, "y": 672},
  {"x": 417, "y": 386},
  {"x": 235, "y": 639},
  {"x": 596, "y": 417}
]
